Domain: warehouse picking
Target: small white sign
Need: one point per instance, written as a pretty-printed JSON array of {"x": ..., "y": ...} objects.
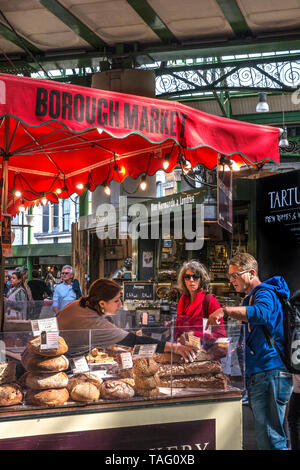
[
  {"x": 125, "y": 360},
  {"x": 44, "y": 324},
  {"x": 80, "y": 365},
  {"x": 49, "y": 340},
  {"x": 144, "y": 350}
]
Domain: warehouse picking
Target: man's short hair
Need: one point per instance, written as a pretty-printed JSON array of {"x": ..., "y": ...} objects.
[
  {"x": 245, "y": 261},
  {"x": 67, "y": 266}
]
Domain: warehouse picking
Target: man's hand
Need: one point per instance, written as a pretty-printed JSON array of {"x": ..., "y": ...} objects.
[{"x": 215, "y": 318}]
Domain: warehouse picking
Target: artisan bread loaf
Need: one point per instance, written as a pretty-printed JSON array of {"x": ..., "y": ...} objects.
[
  {"x": 219, "y": 349},
  {"x": 166, "y": 358},
  {"x": 146, "y": 383},
  {"x": 83, "y": 377},
  {"x": 10, "y": 394},
  {"x": 208, "y": 381},
  {"x": 152, "y": 393},
  {"x": 50, "y": 397},
  {"x": 34, "y": 346},
  {"x": 84, "y": 392},
  {"x": 191, "y": 368},
  {"x": 39, "y": 381},
  {"x": 145, "y": 366},
  {"x": 7, "y": 372},
  {"x": 116, "y": 389},
  {"x": 34, "y": 363}
]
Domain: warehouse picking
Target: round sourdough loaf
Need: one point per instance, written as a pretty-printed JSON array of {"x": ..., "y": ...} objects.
[
  {"x": 50, "y": 397},
  {"x": 34, "y": 346},
  {"x": 34, "y": 363},
  {"x": 116, "y": 389},
  {"x": 83, "y": 377},
  {"x": 10, "y": 394},
  {"x": 145, "y": 366},
  {"x": 84, "y": 391},
  {"x": 39, "y": 381}
]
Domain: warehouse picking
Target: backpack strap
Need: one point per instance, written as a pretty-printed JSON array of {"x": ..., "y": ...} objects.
[{"x": 205, "y": 305}]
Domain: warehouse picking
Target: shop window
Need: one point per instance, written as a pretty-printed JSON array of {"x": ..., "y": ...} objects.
[
  {"x": 45, "y": 219},
  {"x": 159, "y": 189},
  {"x": 66, "y": 215},
  {"x": 55, "y": 217}
]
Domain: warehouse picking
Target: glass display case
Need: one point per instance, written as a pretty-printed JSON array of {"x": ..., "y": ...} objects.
[{"x": 49, "y": 368}]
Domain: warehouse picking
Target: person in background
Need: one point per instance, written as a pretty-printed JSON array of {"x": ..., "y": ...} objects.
[
  {"x": 88, "y": 313},
  {"x": 6, "y": 283},
  {"x": 23, "y": 270},
  {"x": 196, "y": 303},
  {"x": 67, "y": 291},
  {"x": 268, "y": 383},
  {"x": 16, "y": 300},
  {"x": 50, "y": 282},
  {"x": 294, "y": 403},
  {"x": 39, "y": 290}
]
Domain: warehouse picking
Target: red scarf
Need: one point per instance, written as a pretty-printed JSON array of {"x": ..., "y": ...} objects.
[{"x": 190, "y": 316}]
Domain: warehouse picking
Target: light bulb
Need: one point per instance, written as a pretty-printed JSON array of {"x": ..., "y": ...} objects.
[
  {"x": 44, "y": 201},
  {"x": 122, "y": 170},
  {"x": 99, "y": 130},
  {"x": 107, "y": 190},
  {"x": 58, "y": 191},
  {"x": 143, "y": 183},
  {"x": 166, "y": 163},
  {"x": 80, "y": 186},
  {"x": 18, "y": 193}
]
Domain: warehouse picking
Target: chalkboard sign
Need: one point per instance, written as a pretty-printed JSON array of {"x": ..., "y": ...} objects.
[{"x": 138, "y": 291}]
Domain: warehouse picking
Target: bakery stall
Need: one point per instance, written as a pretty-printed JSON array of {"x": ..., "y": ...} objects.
[{"x": 62, "y": 390}]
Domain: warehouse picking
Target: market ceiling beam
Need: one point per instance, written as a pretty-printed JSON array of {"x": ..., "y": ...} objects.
[
  {"x": 235, "y": 18},
  {"x": 16, "y": 39},
  {"x": 74, "y": 23},
  {"x": 150, "y": 17}
]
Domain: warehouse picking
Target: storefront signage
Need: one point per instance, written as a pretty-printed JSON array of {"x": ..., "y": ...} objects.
[
  {"x": 224, "y": 183},
  {"x": 279, "y": 205},
  {"x": 138, "y": 291}
]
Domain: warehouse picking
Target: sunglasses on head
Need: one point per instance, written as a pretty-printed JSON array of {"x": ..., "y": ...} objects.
[{"x": 192, "y": 276}]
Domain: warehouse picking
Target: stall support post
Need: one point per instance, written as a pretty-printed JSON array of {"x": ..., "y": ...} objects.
[
  {"x": 4, "y": 194},
  {"x": 84, "y": 204}
]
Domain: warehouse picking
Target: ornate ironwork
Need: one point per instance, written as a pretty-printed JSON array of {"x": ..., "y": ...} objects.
[{"x": 276, "y": 75}]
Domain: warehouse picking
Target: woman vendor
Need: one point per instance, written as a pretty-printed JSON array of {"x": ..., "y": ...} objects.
[
  {"x": 88, "y": 313},
  {"x": 195, "y": 304}
]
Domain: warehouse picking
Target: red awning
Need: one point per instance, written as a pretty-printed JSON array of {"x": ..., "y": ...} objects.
[{"x": 56, "y": 136}]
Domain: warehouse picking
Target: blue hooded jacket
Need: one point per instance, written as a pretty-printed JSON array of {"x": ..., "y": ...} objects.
[{"x": 265, "y": 310}]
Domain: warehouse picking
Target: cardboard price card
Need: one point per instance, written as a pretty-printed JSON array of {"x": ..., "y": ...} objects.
[
  {"x": 45, "y": 324},
  {"x": 125, "y": 360},
  {"x": 49, "y": 340},
  {"x": 144, "y": 350},
  {"x": 80, "y": 365}
]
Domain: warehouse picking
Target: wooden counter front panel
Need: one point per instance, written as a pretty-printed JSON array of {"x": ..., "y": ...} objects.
[{"x": 192, "y": 435}]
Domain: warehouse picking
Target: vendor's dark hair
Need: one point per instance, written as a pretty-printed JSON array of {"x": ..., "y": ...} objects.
[{"x": 101, "y": 289}]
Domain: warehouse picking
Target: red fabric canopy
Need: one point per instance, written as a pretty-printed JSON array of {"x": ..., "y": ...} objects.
[{"x": 50, "y": 135}]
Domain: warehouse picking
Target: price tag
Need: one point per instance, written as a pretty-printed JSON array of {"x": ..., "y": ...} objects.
[
  {"x": 144, "y": 350},
  {"x": 125, "y": 360},
  {"x": 49, "y": 340},
  {"x": 192, "y": 340},
  {"x": 80, "y": 365},
  {"x": 45, "y": 324}
]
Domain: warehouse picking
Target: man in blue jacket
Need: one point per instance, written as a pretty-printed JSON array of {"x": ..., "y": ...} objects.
[{"x": 268, "y": 383}]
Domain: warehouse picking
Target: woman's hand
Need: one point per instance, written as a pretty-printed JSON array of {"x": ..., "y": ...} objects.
[{"x": 187, "y": 352}]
